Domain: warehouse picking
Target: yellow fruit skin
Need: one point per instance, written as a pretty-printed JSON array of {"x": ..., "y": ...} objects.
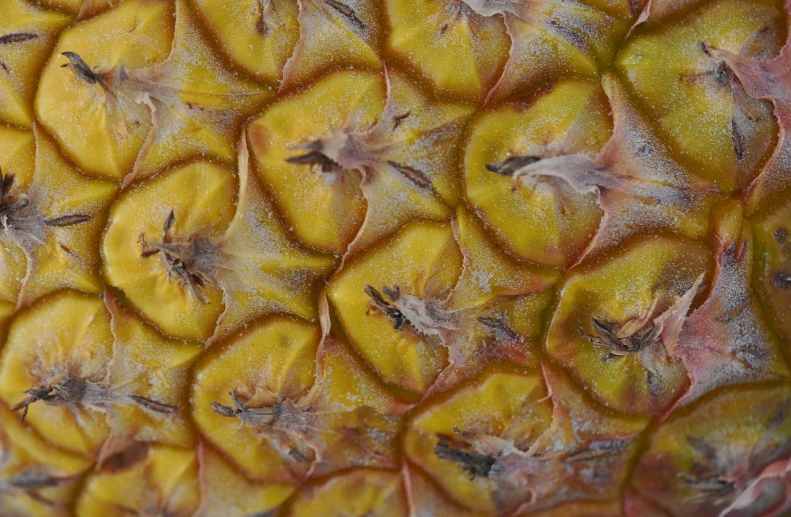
[
  {"x": 395, "y": 258},
  {"x": 358, "y": 492},
  {"x": 292, "y": 121},
  {"x": 226, "y": 491},
  {"x": 460, "y": 57},
  {"x": 264, "y": 57},
  {"x": 538, "y": 128},
  {"x": 695, "y": 115},
  {"x": 104, "y": 143},
  {"x": 24, "y": 451},
  {"x": 285, "y": 348},
  {"x": 622, "y": 289},
  {"x": 201, "y": 197},
  {"x": 80, "y": 349},
  {"x": 422, "y": 259},
  {"x": 495, "y": 401},
  {"x": 165, "y": 479},
  {"x": 22, "y": 60}
]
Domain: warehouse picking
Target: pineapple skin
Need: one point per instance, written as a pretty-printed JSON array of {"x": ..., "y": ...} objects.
[{"x": 395, "y": 258}]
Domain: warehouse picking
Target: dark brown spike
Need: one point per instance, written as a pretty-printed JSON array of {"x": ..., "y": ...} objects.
[
  {"x": 476, "y": 465},
  {"x": 223, "y": 410},
  {"x": 642, "y": 339},
  {"x": 568, "y": 34},
  {"x": 398, "y": 119},
  {"x": 13, "y": 207},
  {"x": 171, "y": 218},
  {"x": 510, "y": 165},
  {"x": 348, "y": 12},
  {"x": 604, "y": 327},
  {"x": 68, "y": 220},
  {"x": 33, "y": 395},
  {"x": 7, "y": 184},
  {"x": 196, "y": 284},
  {"x": 30, "y": 480},
  {"x": 312, "y": 158},
  {"x": 376, "y": 295},
  {"x": 81, "y": 68},
  {"x": 498, "y": 325},
  {"x": 415, "y": 176},
  {"x": 608, "y": 340},
  {"x": 17, "y": 37},
  {"x": 67, "y": 249},
  {"x": 737, "y": 140},
  {"x": 153, "y": 405},
  {"x": 385, "y": 306}
]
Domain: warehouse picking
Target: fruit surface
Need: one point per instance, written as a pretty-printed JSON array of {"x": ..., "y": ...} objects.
[{"x": 390, "y": 258}]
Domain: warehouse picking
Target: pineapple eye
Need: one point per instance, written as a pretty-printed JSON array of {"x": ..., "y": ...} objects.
[
  {"x": 710, "y": 447},
  {"x": 737, "y": 132},
  {"x": 538, "y": 441},
  {"x": 95, "y": 129},
  {"x": 292, "y": 124},
  {"x": 188, "y": 262},
  {"x": 441, "y": 438},
  {"x": 424, "y": 261},
  {"x": 45, "y": 247},
  {"x": 476, "y": 465},
  {"x": 148, "y": 470},
  {"x": 611, "y": 343},
  {"x": 172, "y": 287},
  {"x": 76, "y": 403},
  {"x": 511, "y": 136},
  {"x": 238, "y": 386},
  {"x": 279, "y": 413}
]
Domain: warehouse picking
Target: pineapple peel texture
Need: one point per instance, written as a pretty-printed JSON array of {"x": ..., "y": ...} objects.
[{"x": 436, "y": 257}]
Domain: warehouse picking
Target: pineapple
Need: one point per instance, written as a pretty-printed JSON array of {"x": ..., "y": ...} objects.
[{"x": 395, "y": 258}]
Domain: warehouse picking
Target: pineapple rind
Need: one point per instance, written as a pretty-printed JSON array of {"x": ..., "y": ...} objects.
[{"x": 431, "y": 257}]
